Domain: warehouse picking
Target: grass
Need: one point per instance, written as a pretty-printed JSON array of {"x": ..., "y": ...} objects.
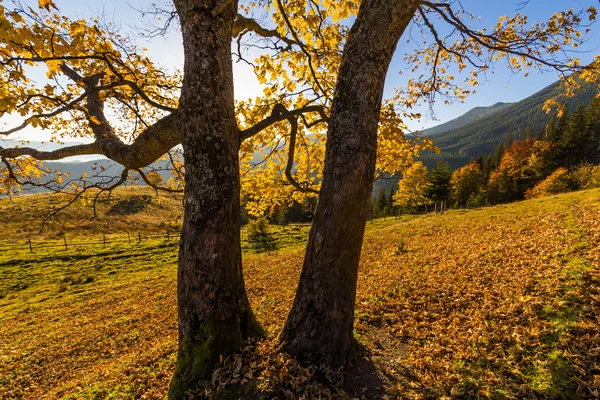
[
  {"x": 132, "y": 209},
  {"x": 498, "y": 303}
]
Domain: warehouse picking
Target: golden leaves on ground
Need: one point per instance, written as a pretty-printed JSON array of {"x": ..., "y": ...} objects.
[{"x": 499, "y": 302}]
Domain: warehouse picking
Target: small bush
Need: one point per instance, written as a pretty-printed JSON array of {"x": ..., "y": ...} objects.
[
  {"x": 258, "y": 236},
  {"x": 130, "y": 206},
  {"x": 587, "y": 176},
  {"x": 560, "y": 181},
  {"x": 401, "y": 247}
]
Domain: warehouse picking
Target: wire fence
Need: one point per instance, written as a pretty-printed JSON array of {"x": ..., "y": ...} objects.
[{"x": 66, "y": 244}]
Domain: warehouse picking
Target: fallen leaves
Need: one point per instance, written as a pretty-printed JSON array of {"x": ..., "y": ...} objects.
[{"x": 500, "y": 302}]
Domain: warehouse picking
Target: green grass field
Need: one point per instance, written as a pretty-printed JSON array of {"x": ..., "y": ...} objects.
[{"x": 501, "y": 302}]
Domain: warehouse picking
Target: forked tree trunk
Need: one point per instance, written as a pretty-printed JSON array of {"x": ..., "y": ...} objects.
[
  {"x": 319, "y": 326},
  {"x": 214, "y": 312}
]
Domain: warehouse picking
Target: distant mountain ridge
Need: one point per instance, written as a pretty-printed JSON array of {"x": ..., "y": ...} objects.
[
  {"x": 483, "y": 136},
  {"x": 472, "y": 115}
]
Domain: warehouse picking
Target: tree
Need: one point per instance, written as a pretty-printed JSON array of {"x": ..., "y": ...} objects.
[
  {"x": 319, "y": 327},
  {"x": 320, "y": 324},
  {"x": 592, "y": 148},
  {"x": 439, "y": 187},
  {"x": 574, "y": 138},
  {"x": 412, "y": 188},
  {"x": 317, "y": 74},
  {"x": 381, "y": 203},
  {"x": 107, "y": 72},
  {"x": 390, "y": 200},
  {"x": 467, "y": 183},
  {"x": 521, "y": 167}
]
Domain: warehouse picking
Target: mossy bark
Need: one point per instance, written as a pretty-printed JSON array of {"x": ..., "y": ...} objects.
[
  {"x": 214, "y": 313},
  {"x": 319, "y": 327}
]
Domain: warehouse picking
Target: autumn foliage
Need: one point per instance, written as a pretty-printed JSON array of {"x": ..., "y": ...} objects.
[{"x": 481, "y": 303}]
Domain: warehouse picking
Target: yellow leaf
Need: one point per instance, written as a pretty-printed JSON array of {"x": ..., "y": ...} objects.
[
  {"x": 47, "y": 4},
  {"x": 95, "y": 120}
]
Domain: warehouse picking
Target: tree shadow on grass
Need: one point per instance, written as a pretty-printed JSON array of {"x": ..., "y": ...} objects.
[{"x": 376, "y": 367}]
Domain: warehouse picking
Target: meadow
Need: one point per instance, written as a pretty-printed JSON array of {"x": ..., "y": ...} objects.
[{"x": 501, "y": 302}]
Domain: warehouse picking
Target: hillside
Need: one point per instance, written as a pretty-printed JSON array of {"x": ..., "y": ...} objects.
[
  {"x": 128, "y": 209},
  {"x": 483, "y": 136},
  {"x": 497, "y": 303},
  {"x": 472, "y": 115}
]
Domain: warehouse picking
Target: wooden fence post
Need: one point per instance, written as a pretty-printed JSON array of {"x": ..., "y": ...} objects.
[
  {"x": 65, "y": 241},
  {"x": 139, "y": 237},
  {"x": 104, "y": 240},
  {"x": 129, "y": 237},
  {"x": 30, "y": 245}
]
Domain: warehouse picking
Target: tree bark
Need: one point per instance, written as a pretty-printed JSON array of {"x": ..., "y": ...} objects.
[
  {"x": 214, "y": 312},
  {"x": 319, "y": 326}
]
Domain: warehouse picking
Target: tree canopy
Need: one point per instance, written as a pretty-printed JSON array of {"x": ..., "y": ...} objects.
[{"x": 93, "y": 71}]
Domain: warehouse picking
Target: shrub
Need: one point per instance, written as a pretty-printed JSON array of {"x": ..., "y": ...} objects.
[
  {"x": 560, "y": 181},
  {"x": 258, "y": 236},
  {"x": 401, "y": 247},
  {"x": 587, "y": 176},
  {"x": 130, "y": 206}
]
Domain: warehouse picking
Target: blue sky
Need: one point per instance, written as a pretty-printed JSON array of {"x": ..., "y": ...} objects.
[{"x": 502, "y": 86}]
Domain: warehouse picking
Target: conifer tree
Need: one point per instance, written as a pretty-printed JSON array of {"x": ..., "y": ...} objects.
[
  {"x": 381, "y": 203},
  {"x": 390, "y": 199},
  {"x": 592, "y": 148},
  {"x": 438, "y": 185}
]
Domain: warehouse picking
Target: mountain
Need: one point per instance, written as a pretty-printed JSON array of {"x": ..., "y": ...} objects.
[
  {"x": 98, "y": 171},
  {"x": 98, "y": 168},
  {"x": 483, "y": 136},
  {"x": 473, "y": 115}
]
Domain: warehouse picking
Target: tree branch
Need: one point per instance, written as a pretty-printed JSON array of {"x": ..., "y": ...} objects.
[
  {"x": 155, "y": 141},
  {"x": 280, "y": 113},
  {"x": 243, "y": 23}
]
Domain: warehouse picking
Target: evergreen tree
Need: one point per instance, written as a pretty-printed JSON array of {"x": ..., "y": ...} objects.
[
  {"x": 498, "y": 156},
  {"x": 560, "y": 150},
  {"x": 390, "y": 200},
  {"x": 530, "y": 134},
  {"x": 381, "y": 203},
  {"x": 439, "y": 187},
  {"x": 488, "y": 166},
  {"x": 592, "y": 148},
  {"x": 481, "y": 161},
  {"x": 550, "y": 130},
  {"x": 509, "y": 140},
  {"x": 575, "y": 138}
]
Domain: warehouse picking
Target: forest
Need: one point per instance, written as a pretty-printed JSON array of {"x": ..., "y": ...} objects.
[
  {"x": 459, "y": 145},
  {"x": 564, "y": 156}
]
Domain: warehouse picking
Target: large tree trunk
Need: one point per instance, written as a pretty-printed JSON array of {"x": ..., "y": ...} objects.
[
  {"x": 214, "y": 312},
  {"x": 319, "y": 327}
]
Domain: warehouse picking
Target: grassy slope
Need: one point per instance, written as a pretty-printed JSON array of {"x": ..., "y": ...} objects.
[
  {"x": 130, "y": 209},
  {"x": 499, "y": 302}
]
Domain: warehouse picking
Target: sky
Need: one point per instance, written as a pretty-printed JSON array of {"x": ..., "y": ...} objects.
[{"x": 502, "y": 86}]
